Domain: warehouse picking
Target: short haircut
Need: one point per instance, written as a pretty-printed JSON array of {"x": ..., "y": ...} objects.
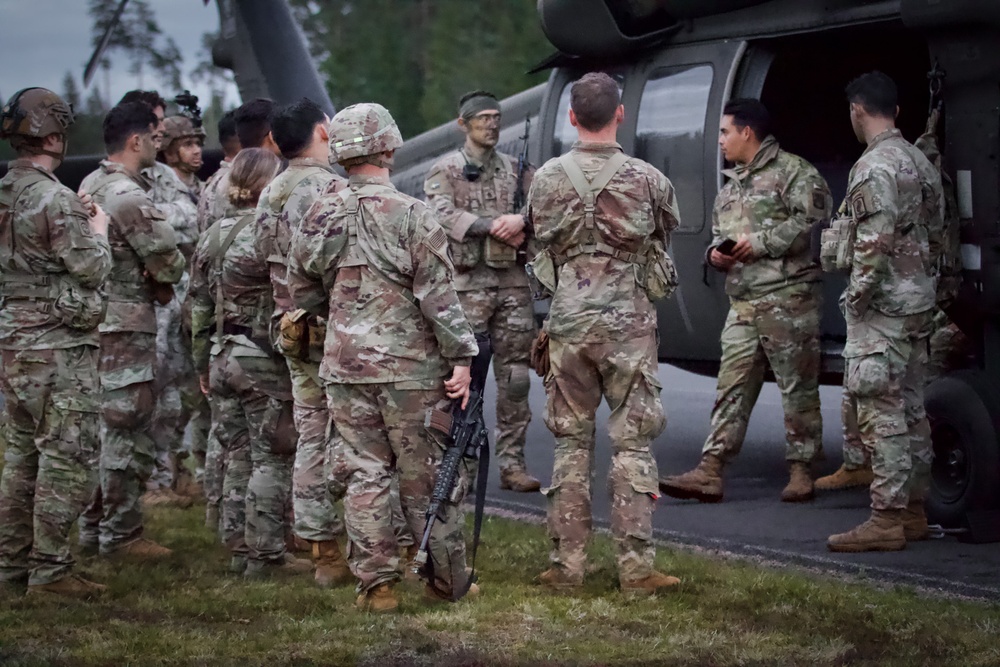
[
  {"x": 292, "y": 126},
  {"x": 253, "y": 122},
  {"x": 125, "y": 120},
  {"x": 252, "y": 170},
  {"x": 150, "y": 98},
  {"x": 748, "y": 112},
  {"x": 594, "y": 98},
  {"x": 876, "y": 92}
]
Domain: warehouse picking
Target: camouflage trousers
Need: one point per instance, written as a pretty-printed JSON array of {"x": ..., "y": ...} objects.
[
  {"x": 382, "y": 437},
  {"x": 780, "y": 329},
  {"x": 316, "y": 518},
  {"x": 624, "y": 373},
  {"x": 215, "y": 460},
  {"x": 507, "y": 314},
  {"x": 885, "y": 359},
  {"x": 179, "y": 398},
  {"x": 114, "y": 516},
  {"x": 950, "y": 350},
  {"x": 252, "y": 398},
  {"x": 51, "y": 455}
]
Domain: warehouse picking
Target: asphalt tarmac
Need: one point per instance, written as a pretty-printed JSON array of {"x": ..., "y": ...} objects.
[{"x": 752, "y": 522}]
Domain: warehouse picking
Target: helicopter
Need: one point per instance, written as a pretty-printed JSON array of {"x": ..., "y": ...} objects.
[{"x": 677, "y": 63}]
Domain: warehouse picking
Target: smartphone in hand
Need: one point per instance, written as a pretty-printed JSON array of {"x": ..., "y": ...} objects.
[{"x": 726, "y": 247}]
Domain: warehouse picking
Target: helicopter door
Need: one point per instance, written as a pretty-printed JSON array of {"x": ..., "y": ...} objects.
[{"x": 678, "y": 95}]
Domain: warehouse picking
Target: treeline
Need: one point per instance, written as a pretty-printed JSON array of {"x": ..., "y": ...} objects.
[{"x": 417, "y": 57}]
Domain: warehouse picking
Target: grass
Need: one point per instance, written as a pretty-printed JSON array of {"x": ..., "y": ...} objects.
[{"x": 189, "y": 611}]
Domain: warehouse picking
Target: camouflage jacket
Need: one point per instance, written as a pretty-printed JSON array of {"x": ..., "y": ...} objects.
[
  {"x": 773, "y": 200},
  {"x": 598, "y": 297},
  {"x": 247, "y": 303},
  {"x": 383, "y": 278},
  {"x": 459, "y": 202},
  {"x": 894, "y": 197},
  {"x": 214, "y": 202},
  {"x": 142, "y": 247},
  {"x": 282, "y": 205},
  {"x": 45, "y": 237},
  {"x": 179, "y": 203}
]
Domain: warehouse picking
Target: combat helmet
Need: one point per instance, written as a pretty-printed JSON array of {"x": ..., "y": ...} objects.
[
  {"x": 34, "y": 113},
  {"x": 363, "y": 131},
  {"x": 179, "y": 127}
]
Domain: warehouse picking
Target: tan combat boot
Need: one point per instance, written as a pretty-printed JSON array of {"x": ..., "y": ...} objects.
[
  {"x": 800, "y": 484},
  {"x": 378, "y": 600},
  {"x": 186, "y": 486},
  {"x": 434, "y": 595},
  {"x": 165, "y": 498},
  {"x": 142, "y": 549},
  {"x": 558, "y": 579},
  {"x": 655, "y": 582},
  {"x": 915, "y": 527},
  {"x": 704, "y": 483},
  {"x": 846, "y": 478},
  {"x": 518, "y": 480},
  {"x": 73, "y": 586},
  {"x": 882, "y": 532},
  {"x": 331, "y": 568},
  {"x": 286, "y": 565}
]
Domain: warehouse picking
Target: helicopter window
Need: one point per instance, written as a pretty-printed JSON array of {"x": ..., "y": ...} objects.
[
  {"x": 565, "y": 134},
  {"x": 670, "y": 130}
]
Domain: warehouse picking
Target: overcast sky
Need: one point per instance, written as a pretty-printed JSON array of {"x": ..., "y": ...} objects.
[{"x": 41, "y": 39}]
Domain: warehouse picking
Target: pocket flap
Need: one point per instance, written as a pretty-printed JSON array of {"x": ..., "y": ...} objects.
[{"x": 863, "y": 348}]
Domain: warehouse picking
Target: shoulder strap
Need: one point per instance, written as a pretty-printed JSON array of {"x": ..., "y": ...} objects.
[
  {"x": 8, "y": 220},
  {"x": 220, "y": 254},
  {"x": 589, "y": 189}
]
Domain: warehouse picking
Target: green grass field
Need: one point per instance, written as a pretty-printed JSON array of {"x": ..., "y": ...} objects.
[{"x": 189, "y": 611}]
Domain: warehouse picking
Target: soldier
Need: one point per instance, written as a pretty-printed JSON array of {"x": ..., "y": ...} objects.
[
  {"x": 473, "y": 190},
  {"x": 767, "y": 207},
  {"x": 301, "y": 134},
  {"x": 54, "y": 257},
  {"x": 179, "y": 399},
  {"x": 603, "y": 222},
  {"x": 214, "y": 198},
  {"x": 949, "y": 348},
  {"x": 212, "y": 204},
  {"x": 890, "y": 245},
  {"x": 249, "y": 382},
  {"x": 376, "y": 264},
  {"x": 145, "y": 261}
]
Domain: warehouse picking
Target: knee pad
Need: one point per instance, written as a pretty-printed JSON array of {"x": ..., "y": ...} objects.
[{"x": 519, "y": 383}]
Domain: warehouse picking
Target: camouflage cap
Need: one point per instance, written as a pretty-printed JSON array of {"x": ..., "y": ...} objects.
[
  {"x": 179, "y": 127},
  {"x": 361, "y": 130},
  {"x": 35, "y": 112}
]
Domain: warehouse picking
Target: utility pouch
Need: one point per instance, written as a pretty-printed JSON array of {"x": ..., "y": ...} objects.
[
  {"x": 542, "y": 274},
  {"x": 498, "y": 255},
  {"x": 660, "y": 278},
  {"x": 80, "y": 308},
  {"x": 837, "y": 245},
  {"x": 540, "y": 354},
  {"x": 467, "y": 254}
]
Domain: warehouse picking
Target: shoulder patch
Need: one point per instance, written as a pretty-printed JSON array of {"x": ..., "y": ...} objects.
[
  {"x": 437, "y": 238},
  {"x": 862, "y": 202}
]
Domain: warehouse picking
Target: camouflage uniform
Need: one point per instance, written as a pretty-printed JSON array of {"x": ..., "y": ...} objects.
[
  {"x": 142, "y": 243},
  {"x": 282, "y": 205},
  {"x": 494, "y": 293},
  {"x": 212, "y": 207},
  {"x": 775, "y": 300},
  {"x": 602, "y": 329},
  {"x": 384, "y": 270},
  {"x": 49, "y": 370},
  {"x": 896, "y": 203},
  {"x": 948, "y": 348},
  {"x": 250, "y": 386},
  {"x": 179, "y": 399}
]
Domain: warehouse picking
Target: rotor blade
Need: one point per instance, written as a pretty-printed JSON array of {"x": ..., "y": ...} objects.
[{"x": 88, "y": 72}]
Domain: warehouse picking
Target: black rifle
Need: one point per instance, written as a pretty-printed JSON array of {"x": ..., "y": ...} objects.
[
  {"x": 467, "y": 438},
  {"x": 520, "y": 196}
]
